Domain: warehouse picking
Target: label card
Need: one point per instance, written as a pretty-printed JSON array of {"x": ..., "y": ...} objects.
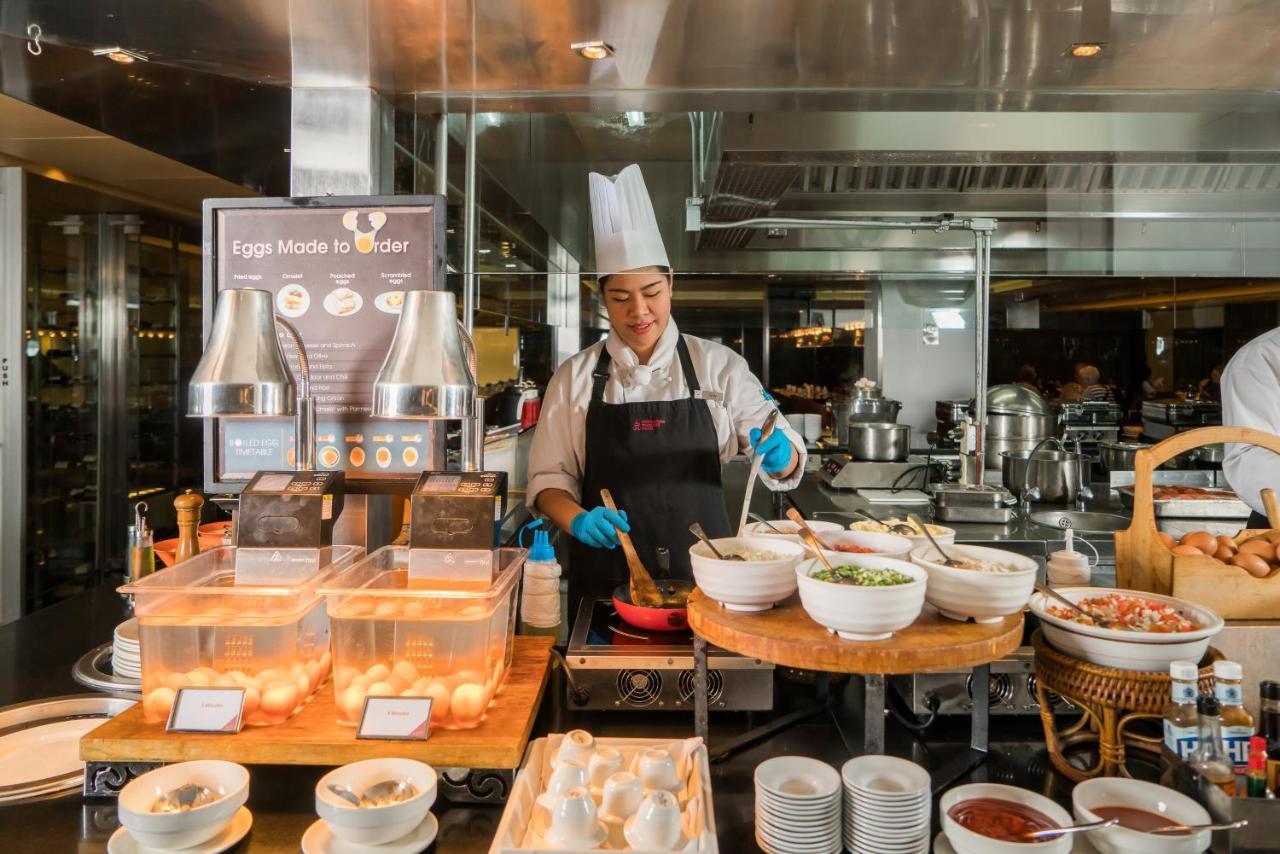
[
  {"x": 396, "y": 718},
  {"x": 218, "y": 710}
]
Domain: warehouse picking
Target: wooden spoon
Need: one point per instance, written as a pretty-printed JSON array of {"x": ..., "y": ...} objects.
[
  {"x": 643, "y": 591},
  {"x": 809, "y": 537},
  {"x": 1270, "y": 505}
]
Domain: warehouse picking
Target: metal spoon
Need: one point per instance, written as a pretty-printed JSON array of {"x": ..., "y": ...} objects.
[
  {"x": 1196, "y": 828},
  {"x": 1075, "y": 828},
  {"x": 345, "y": 793},
  {"x": 186, "y": 797},
  {"x": 388, "y": 792},
  {"x": 894, "y": 527},
  {"x": 1049, "y": 591},
  {"x": 697, "y": 531},
  {"x": 767, "y": 524},
  {"x": 949, "y": 561},
  {"x": 810, "y": 538}
]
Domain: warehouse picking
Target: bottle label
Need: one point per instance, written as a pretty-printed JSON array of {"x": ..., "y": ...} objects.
[
  {"x": 1184, "y": 693},
  {"x": 1236, "y": 741},
  {"x": 1228, "y": 693},
  {"x": 1181, "y": 740}
]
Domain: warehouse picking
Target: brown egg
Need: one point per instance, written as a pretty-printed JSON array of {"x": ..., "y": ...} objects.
[
  {"x": 1258, "y": 547},
  {"x": 1223, "y": 553},
  {"x": 1187, "y": 550},
  {"x": 1227, "y": 543},
  {"x": 1252, "y": 563},
  {"x": 1168, "y": 539},
  {"x": 1202, "y": 540}
]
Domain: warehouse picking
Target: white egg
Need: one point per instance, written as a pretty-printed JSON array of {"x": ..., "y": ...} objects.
[
  {"x": 396, "y": 682},
  {"x": 343, "y": 675},
  {"x": 470, "y": 675},
  {"x": 422, "y": 683},
  {"x": 362, "y": 681},
  {"x": 241, "y": 678},
  {"x": 326, "y": 660},
  {"x": 410, "y": 692},
  {"x": 269, "y": 675},
  {"x": 224, "y": 680},
  {"x": 467, "y": 703},
  {"x": 198, "y": 678},
  {"x": 296, "y": 668},
  {"x": 313, "y": 674},
  {"x": 352, "y": 703},
  {"x": 406, "y": 671},
  {"x": 303, "y": 685},
  {"x": 378, "y": 672},
  {"x": 209, "y": 673},
  {"x": 382, "y": 689},
  {"x": 176, "y": 681},
  {"x": 280, "y": 701},
  {"x": 440, "y": 696},
  {"x": 251, "y": 700},
  {"x": 157, "y": 704}
]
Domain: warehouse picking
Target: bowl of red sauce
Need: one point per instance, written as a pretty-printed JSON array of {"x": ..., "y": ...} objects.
[
  {"x": 1140, "y": 807},
  {"x": 867, "y": 543},
  {"x": 989, "y": 818}
]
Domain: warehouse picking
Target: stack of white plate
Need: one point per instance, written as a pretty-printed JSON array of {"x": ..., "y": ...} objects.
[
  {"x": 126, "y": 654},
  {"x": 886, "y": 805},
  {"x": 797, "y": 806}
]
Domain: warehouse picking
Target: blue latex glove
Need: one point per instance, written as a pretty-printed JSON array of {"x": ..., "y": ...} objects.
[
  {"x": 599, "y": 527},
  {"x": 775, "y": 452}
]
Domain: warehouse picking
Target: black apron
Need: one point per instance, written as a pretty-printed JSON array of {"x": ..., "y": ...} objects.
[
  {"x": 1257, "y": 521},
  {"x": 661, "y": 462}
]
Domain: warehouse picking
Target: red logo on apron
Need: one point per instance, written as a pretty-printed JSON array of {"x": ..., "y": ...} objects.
[{"x": 646, "y": 425}]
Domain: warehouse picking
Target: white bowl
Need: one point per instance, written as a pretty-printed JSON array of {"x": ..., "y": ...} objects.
[
  {"x": 1120, "y": 792},
  {"x": 177, "y": 830},
  {"x": 886, "y": 778},
  {"x": 862, "y": 613},
  {"x": 947, "y": 536},
  {"x": 1125, "y": 650},
  {"x": 967, "y": 842},
  {"x": 888, "y": 545},
  {"x": 759, "y": 529},
  {"x": 375, "y": 825},
  {"x": 747, "y": 585},
  {"x": 985, "y": 596}
]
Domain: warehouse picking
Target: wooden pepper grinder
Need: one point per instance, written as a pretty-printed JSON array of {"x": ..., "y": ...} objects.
[{"x": 188, "y": 506}]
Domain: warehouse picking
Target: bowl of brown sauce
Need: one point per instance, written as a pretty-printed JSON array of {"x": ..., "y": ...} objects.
[
  {"x": 1140, "y": 807},
  {"x": 988, "y": 818}
]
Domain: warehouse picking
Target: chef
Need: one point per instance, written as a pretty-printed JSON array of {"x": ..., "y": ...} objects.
[
  {"x": 1248, "y": 386},
  {"x": 649, "y": 414}
]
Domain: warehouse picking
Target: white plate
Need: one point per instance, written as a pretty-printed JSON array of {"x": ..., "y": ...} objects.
[
  {"x": 288, "y": 307},
  {"x": 1147, "y": 657},
  {"x": 320, "y": 840},
  {"x": 333, "y": 302},
  {"x": 382, "y": 302},
  {"x": 122, "y": 843},
  {"x": 941, "y": 845},
  {"x": 787, "y": 846},
  {"x": 793, "y": 803},
  {"x": 128, "y": 631},
  {"x": 43, "y": 752},
  {"x": 885, "y": 777},
  {"x": 803, "y": 828},
  {"x": 797, "y": 778}
]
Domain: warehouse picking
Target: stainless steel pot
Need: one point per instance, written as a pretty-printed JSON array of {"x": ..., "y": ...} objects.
[
  {"x": 951, "y": 411},
  {"x": 879, "y": 442},
  {"x": 1118, "y": 456},
  {"x": 879, "y": 410},
  {"x": 1054, "y": 474}
]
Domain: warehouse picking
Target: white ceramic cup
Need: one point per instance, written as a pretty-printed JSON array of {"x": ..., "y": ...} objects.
[
  {"x": 577, "y": 744},
  {"x": 569, "y": 774},
  {"x": 656, "y": 823},
  {"x": 622, "y": 795},
  {"x": 657, "y": 770},
  {"x": 573, "y": 820},
  {"x": 604, "y": 763}
]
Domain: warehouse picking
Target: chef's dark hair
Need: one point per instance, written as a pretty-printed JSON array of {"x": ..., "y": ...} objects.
[{"x": 667, "y": 271}]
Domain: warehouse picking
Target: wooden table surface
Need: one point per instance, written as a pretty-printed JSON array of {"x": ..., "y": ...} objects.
[
  {"x": 314, "y": 736},
  {"x": 787, "y": 635}
]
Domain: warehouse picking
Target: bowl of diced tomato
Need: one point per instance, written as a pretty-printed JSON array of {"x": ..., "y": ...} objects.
[
  {"x": 1127, "y": 629},
  {"x": 866, "y": 543}
]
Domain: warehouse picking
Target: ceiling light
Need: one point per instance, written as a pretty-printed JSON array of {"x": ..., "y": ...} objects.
[
  {"x": 592, "y": 50},
  {"x": 511, "y": 266},
  {"x": 119, "y": 54},
  {"x": 635, "y": 118},
  {"x": 1084, "y": 50}
]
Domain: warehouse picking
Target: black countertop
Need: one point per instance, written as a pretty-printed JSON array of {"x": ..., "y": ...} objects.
[{"x": 37, "y": 652}]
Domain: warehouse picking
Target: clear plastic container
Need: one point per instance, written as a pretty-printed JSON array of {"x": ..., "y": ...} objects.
[
  {"x": 394, "y": 637},
  {"x": 197, "y": 627}
]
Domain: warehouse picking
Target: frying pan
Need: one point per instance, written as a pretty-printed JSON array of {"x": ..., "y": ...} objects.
[{"x": 669, "y": 618}]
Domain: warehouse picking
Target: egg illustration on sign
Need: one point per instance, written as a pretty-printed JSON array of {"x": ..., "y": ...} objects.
[{"x": 364, "y": 239}]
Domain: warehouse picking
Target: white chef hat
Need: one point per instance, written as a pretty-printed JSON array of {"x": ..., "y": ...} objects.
[{"x": 626, "y": 231}]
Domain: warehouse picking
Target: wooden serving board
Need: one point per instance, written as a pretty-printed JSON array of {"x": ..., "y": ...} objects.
[
  {"x": 1143, "y": 562},
  {"x": 314, "y": 736},
  {"x": 787, "y": 635}
]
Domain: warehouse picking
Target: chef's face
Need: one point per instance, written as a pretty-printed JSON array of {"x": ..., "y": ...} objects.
[{"x": 639, "y": 305}]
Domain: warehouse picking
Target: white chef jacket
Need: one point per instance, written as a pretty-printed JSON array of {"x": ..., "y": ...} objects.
[
  {"x": 737, "y": 401},
  {"x": 1250, "y": 383}
]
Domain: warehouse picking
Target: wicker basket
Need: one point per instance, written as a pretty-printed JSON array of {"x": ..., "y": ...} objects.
[{"x": 1110, "y": 700}]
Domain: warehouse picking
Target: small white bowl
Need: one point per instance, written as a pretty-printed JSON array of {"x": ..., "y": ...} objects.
[
  {"x": 375, "y": 825},
  {"x": 176, "y": 830},
  {"x": 967, "y": 842},
  {"x": 946, "y": 537},
  {"x": 747, "y": 585},
  {"x": 985, "y": 596},
  {"x": 1120, "y": 792},
  {"x": 862, "y": 613},
  {"x": 760, "y": 529},
  {"x": 888, "y": 545}
]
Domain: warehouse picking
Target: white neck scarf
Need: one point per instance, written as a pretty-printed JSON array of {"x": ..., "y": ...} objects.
[{"x": 627, "y": 364}]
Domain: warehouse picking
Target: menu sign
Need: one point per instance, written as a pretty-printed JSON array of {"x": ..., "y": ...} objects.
[{"x": 337, "y": 269}]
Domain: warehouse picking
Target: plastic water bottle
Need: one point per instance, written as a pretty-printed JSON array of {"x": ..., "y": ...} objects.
[{"x": 540, "y": 591}]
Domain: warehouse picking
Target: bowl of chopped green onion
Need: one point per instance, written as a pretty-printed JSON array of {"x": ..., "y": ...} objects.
[{"x": 862, "y": 597}]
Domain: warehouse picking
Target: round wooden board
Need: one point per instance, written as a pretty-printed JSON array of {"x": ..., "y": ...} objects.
[{"x": 787, "y": 635}]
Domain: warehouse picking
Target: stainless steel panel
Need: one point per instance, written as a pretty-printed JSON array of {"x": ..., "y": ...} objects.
[
  {"x": 13, "y": 390},
  {"x": 341, "y": 142}
]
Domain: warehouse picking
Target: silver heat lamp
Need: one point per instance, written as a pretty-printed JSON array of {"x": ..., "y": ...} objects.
[
  {"x": 430, "y": 371},
  {"x": 243, "y": 373}
]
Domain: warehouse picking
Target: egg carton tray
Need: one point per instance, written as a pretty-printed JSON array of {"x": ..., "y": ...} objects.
[
  {"x": 515, "y": 832},
  {"x": 1191, "y": 508}
]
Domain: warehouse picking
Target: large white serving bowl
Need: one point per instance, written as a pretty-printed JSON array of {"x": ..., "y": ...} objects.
[
  {"x": 985, "y": 596},
  {"x": 375, "y": 825},
  {"x": 791, "y": 529},
  {"x": 176, "y": 830},
  {"x": 888, "y": 545},
  {"x": 747, "y": 585},
  {"x": 1126, "y": 650},
  {"x": 942, "y": 533},
  {"x": 1121, "y": 792},
  {"x": 967, "y": 842},
  {"x": 862, "y": 613}
]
